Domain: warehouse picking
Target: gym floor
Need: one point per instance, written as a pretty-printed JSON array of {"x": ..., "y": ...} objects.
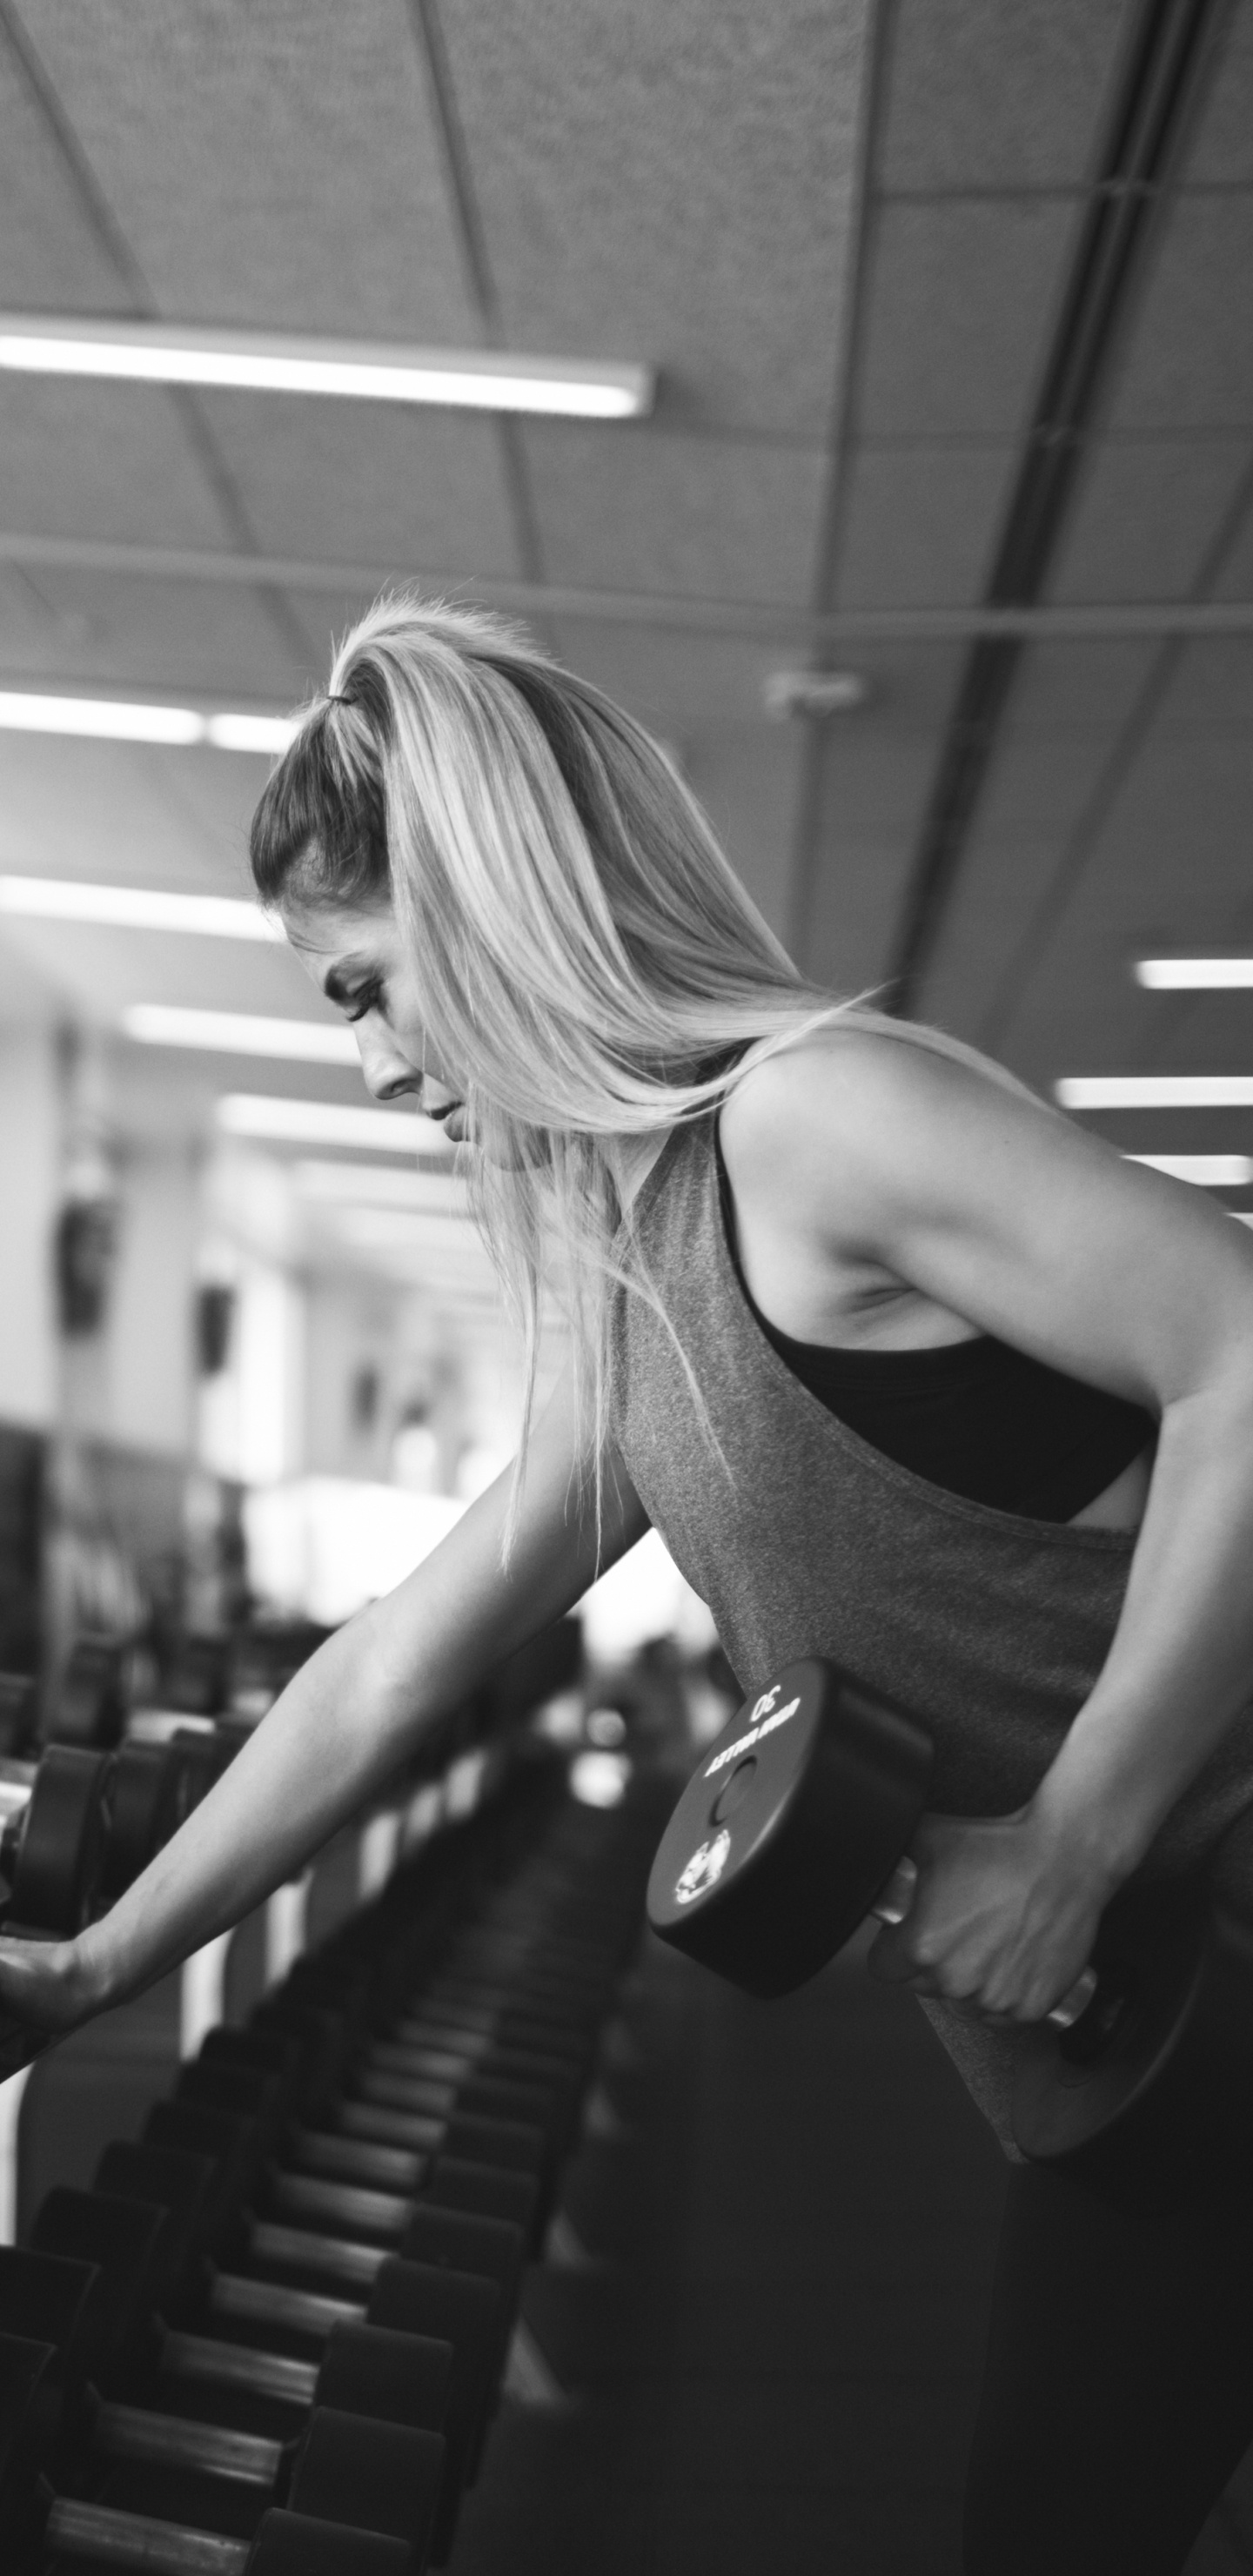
[{"x": 767, "y": 2305}]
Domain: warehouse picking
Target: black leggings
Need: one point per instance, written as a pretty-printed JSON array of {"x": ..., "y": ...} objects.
[{"x": 1118, "y": 2390}]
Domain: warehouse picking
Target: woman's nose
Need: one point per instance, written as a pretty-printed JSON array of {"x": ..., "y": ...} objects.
[{"x": 388, "y": 1073}]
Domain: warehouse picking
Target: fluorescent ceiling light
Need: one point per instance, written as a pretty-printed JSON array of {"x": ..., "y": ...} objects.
[
  {"x": 132, "y": 720},
  {"x": 1156, "y": 1091},
  {"x": 323, "y": 1122},
  {"x": 1211, "y": 1171},
  {"x": 289, "y": 363},
  {"x": 240, "y": 1033},
  {"x": 213, "y": 916},
  {"x": 1194, "y": 974},
  {"x": 22, "y": 711},
  {"x": 249, "y": 733}
]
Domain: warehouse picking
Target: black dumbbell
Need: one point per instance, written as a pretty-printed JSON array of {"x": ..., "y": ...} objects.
[
  {"x": 454, "y": 2316},
  {"x": 42, "y": 2528},
  {"x": 375, "y": 2360},
  {"x": 792, "y": 1830},
  {"x": 52, "y": 1839},
  {"x": 370, "y": 2185},
  {"x": 342, "y": 2468},
  {"x": 143, "y": 1805}
]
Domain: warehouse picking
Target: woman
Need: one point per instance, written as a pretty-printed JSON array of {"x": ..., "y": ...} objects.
[{"x": 906, "y": 1370}]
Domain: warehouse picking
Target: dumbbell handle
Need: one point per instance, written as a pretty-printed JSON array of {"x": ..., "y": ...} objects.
[
  {"x": 134, "y": 2433},
  {"x": 113, "y": 2539},
  {"x": 894, "y": 1904},
  {"x": 237, "y": 2365}
]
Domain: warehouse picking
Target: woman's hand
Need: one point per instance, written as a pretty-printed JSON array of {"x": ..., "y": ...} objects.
[
  {"x": 45, "y": 1992},
  {"x": 1003, "y": 1916}
]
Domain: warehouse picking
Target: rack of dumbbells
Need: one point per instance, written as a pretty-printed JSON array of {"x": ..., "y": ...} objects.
[{"x": 273, "y": 2334}]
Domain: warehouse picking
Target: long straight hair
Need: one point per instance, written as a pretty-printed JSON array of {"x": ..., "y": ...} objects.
[{"x": 591, "y": 970}]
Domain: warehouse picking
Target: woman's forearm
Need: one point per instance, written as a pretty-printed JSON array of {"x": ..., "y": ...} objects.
[
  {"x": 1181, "y": 1664},
  {"x": 311, "y": 1763},
  {"x": 351, "y": 1716}
]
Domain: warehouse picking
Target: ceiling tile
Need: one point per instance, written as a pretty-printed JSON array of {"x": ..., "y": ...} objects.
[
  {"x": 1080, "y": 683},
  {"x": 1002, "y": 879},
  {"x": 876, "y": 773},
  {"x": 108, "y": 461},
  {"x": 1221, "y": 153},
  {"x": 747, "y": 777},
  {"x": 1189, "y": 363},
  {"x": 268, "y": 160},
  {"x": 1182, "y": 816},
  {"x": 674, "y": 683},
  {"x": 1235, "y": 581},
  {"x": 346, "y": 482},
  {"x": 1169, "y": 868},
  {"x": 642, "y": 509},
  {"x": 1040, "y": 783},
  {"x": 984, "y": 97},
  {"x": 50, "y": 253},
  {"x": 854, "y": 910},
  {"x": 1210, "y": 686},
  {"x": 117, "y": 813},
  {"x": 920, "y": 525},
  {"x": 672, "y": 184},
  {"x": 119, "y": 631},
  {"x": 1145, "y": 516},
  {"x": 960, "y": 295}
]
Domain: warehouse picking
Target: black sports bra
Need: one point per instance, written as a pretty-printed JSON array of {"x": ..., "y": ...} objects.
[{"x": 977, "y": 1417}]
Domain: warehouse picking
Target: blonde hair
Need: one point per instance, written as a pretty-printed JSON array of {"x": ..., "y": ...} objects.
[{"x": 592, "y": 971}]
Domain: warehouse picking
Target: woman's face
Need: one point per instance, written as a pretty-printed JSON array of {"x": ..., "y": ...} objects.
[{"x": 355, "y": 955}]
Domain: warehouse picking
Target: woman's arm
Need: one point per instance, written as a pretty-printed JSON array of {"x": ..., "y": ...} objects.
[
  {"x": 346, "y": 1721},
  {"x": 891, "y": 1157}
]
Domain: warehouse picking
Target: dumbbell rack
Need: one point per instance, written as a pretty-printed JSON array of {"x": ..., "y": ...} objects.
[{"x": 376, "y": 2153}]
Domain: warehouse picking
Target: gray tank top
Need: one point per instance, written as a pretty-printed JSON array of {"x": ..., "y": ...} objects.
[{"x": 803, "y": 1539}]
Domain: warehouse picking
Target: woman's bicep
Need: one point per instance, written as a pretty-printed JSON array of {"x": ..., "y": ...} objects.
[
  {"x": 1046, "y": 1237},
  {"x": 999, "y": 1209}
]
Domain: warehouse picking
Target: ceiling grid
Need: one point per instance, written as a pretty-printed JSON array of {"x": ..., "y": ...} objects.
[{"x": 842, "y": 231}]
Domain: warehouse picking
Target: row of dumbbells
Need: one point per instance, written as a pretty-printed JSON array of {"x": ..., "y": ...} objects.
[
  {"x": 77, "y": 1826},
  {"x": 78, "y": 1823},
  {"x": 273, "y": 2335}
]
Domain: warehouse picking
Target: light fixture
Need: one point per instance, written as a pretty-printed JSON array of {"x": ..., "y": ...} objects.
[
  {"x": 1194, "y": 974},
  {"x": 142, "y": 720},
  {"x": 1156, "y": 1091},
  {"x": 240, "y": 1033},
  {"x": 813, "y": 693},
  {"x": 212, "y": 916},
  {"x": 1209, "y": 1171},
  {"x": 291, "y": 363},
  {"x": 325, "y": 1122},
  {"x": 229, "y": 732}
]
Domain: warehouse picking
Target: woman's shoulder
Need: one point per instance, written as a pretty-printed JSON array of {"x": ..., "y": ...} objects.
[{"x": 852, "y": 1090}]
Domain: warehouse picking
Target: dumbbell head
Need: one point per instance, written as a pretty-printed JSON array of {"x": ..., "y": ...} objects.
[
  {"x": 180, "y": 2183},
  {"x": 286, "y": 2544},
  {"x": 1163, "y": 2044},
  {"x": 58, "y": 1845},
  {"x": 372, "y": 2474},
  {"x": 377, "y": 2475},
  {"x": 128, "y": 2244},
  {"x": 789, "y": 1828},
  {"x": 140, "y": 1813},
  {"x": 51, "y": 2299}
]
